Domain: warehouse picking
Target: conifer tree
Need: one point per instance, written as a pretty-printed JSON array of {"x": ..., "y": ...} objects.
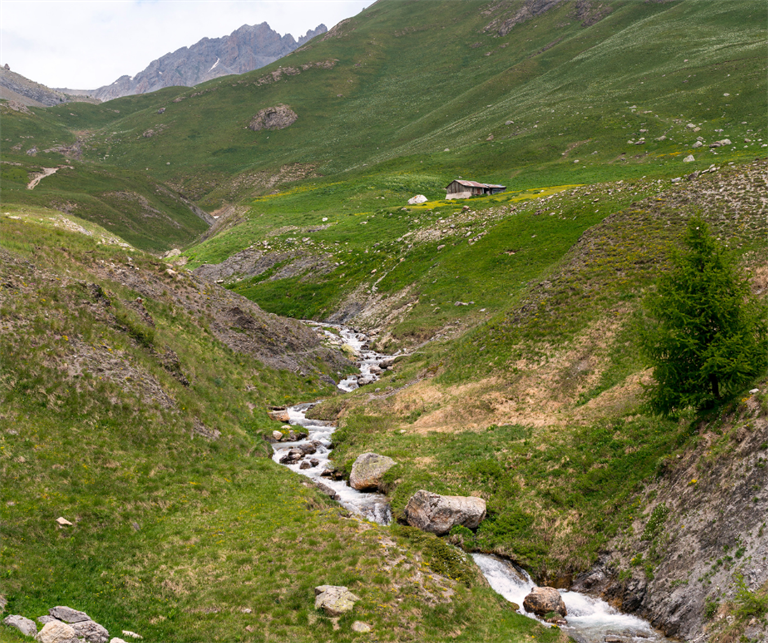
[{"x": 707, "y": 335}]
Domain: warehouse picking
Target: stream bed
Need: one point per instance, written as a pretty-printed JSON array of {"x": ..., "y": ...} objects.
[{"x": 590, "y": 620}]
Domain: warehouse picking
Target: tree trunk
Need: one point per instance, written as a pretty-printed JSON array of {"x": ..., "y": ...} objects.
[{"x": 715, "y": 386}]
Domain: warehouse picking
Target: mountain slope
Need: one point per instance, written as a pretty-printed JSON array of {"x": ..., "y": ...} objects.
[
  {"x": 15, "y": 87},
  {"x": 403, "y": 95},
  {"x": 245, "y": 49},
  {"x": 135, "y": 407}
]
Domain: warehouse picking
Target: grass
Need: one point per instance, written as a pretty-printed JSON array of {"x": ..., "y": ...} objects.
[
  {"x": 645, "y": 70},
  {"x": 175, "y": 535},
  {"x": 129, "y": 205},
  {"x": 554, "y": 499}
]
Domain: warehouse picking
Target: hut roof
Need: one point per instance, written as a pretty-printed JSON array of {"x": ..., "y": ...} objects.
[{"x": 475, "y": 184}]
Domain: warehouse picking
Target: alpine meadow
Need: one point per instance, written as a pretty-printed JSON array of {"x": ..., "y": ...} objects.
[{"x": 261, "y": 380}]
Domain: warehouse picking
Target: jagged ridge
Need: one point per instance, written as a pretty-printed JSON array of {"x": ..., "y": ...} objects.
[{"x": 245, "y": 49}]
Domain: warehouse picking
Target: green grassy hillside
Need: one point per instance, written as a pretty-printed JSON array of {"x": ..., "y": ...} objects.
[
  {"x": 129, "y": 411},
  {"x": 408, "y": 80},
  {"x": 519, "y": 312},
  {"x": 147, "y": 214}
]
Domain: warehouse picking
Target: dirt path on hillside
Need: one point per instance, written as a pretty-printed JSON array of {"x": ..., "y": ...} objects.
[{"x": 47, "y": 171}]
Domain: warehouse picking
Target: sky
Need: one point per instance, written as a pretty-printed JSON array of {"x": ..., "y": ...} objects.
[{"x": 85, "y": 44}]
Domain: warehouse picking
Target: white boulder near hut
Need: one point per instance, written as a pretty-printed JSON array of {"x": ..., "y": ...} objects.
[
  {"x": 461, "y": 189},
  {"x": 415, "y": 200}
]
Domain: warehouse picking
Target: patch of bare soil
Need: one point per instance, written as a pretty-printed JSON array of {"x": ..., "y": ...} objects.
[
  {"x": 542, "y": 394},
  {"x": 47, "y": 171}
]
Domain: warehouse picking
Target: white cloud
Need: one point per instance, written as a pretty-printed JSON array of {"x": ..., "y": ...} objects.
[{"x": 84, "y": 44}]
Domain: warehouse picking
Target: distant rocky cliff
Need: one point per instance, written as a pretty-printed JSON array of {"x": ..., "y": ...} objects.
[{"x": 246, "y": 49}]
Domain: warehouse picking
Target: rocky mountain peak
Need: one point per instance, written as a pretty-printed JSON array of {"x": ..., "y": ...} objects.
[{"x": 245, "y": 49}]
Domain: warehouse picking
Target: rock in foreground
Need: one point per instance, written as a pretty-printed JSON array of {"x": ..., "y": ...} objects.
[
  {"x": 438, "y": 514},
  {"x": 91, "y": 632},
  {"x": 56, "y": 632},
  {"x": 334, "y": 600},
  {"x": 368, "y": 470},
  {"x": 26, "y": 626},
  {"x": 543, "y": 600}
]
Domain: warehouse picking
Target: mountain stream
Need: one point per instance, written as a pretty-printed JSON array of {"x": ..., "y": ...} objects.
[{"x": 590, "y": 620}]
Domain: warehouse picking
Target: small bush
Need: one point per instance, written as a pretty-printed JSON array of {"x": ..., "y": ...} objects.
[
  {"x": 749, "y": 604},
  {"x": 710, "y": 609},
  {"x": 655, "y": 523}
]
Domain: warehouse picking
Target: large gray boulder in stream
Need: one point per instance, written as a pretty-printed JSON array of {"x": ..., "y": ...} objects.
[
  {"x": 90, "y": 631},
  {"x": 368, "y": 470},
  {"x": 543, "y": 600},
  {"x": 438, "y": 514}
]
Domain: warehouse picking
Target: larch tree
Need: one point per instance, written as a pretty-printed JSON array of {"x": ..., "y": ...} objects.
[{"x": 706, "y": 336}]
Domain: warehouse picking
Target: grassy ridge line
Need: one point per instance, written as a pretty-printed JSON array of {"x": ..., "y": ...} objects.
[{"x": 175, "y": 534}]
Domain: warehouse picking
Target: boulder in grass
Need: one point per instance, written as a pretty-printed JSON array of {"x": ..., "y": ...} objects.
[
  {"x": 439, "y": 514},
  {"x": 56, "y": 632},
  {"x": 26, "y": 626},
  {"x": 68, "y": 615},
  {"x": 544, "y": 600},
  {"x": 415, "y": 200},
  {"x": 90, "y": 631},
  {"x": 334, "y": 600},
  {"x": 368, "y": 471}
]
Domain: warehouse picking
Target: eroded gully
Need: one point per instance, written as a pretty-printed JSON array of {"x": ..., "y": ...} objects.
[{"x": 590, "y": 619}]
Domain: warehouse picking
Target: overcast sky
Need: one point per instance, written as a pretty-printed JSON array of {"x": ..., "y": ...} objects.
[{"x": 84, "y": 44}]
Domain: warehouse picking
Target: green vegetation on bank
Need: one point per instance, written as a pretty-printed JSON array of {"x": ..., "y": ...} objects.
[{"x": 519, "y": 313}]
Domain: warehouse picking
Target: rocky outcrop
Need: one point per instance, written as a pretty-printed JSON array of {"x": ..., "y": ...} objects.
[
  {"x": 273, "y": 118},
  {"x": 334, "y": 600},
  {"x": 15, "y": 87},
  {"x": 252, "y": 262},
  {"x": 245, "y": 49},
  {"x": 701, "y": 530},
  {"x": 438, "y": 514},
  {"x": 368, "y": 471},
  {"x": 544, "y": 600},
  {"x": 26, "y": 626},
  {"x": 504, "y": 23},
  {"x": 279, "y": 414},
  {"x": 590, "y": 12}
]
